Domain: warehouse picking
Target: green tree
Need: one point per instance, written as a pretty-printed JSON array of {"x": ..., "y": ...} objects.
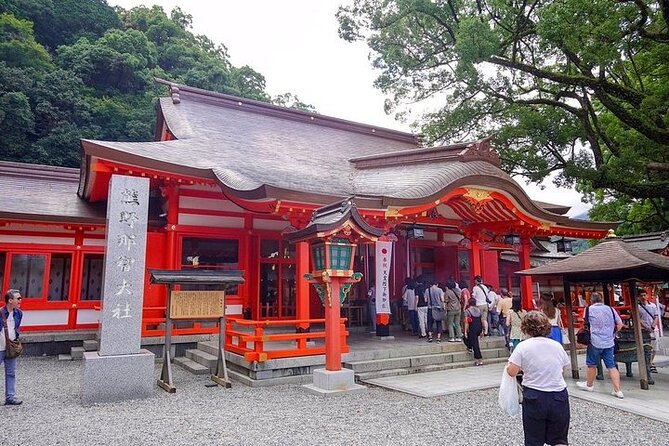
[
  {"x": 18, "y": 46},
  {"x": 579, "y": 88},
  {"x": 59, "y": 22},
  {"x": 292, "y": 101},
  {"x": 72, "y": 69},
  {"x": 118, "y": 62}
]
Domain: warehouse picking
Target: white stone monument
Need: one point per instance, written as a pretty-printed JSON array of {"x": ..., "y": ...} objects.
[{"x": 121, "y": 369}]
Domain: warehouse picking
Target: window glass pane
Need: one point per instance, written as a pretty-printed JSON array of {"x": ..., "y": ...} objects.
[
  {"x": 463, "y": 266},
  {"x": 425, "y": 255},
  {"x": 288, "y": 250},
  {"x": 27, "y": 274},
  {"x": 59, "y": 277},
  {"x": 210, "y": 254},
  {"x": 288, "y": 290},
  {"x": 268, "y": 290},
  {"x": 269, "y": 249},
  {"x": 91, "y": 282}
]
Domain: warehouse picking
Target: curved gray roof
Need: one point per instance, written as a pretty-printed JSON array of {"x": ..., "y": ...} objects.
[{"x": 257, "y": 150}]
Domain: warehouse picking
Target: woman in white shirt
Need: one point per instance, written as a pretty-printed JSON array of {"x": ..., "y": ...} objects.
[{"x": 545, "y": 399}]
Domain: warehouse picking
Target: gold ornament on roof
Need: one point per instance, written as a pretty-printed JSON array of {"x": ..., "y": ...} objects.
[{"x": 477, "y": 195}]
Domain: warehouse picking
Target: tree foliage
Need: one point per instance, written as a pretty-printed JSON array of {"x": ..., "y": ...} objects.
[
  {"x": 72, "y": 69},
  {"x": 578, "y": 89}
]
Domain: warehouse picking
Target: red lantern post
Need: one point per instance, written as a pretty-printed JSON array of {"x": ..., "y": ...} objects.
[{"x": 333, "y": 234}]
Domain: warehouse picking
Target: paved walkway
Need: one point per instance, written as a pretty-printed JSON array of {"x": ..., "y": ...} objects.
[{"x": 648, "y": 403}]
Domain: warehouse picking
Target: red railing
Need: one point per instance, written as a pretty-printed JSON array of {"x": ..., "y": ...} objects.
[
  {"x": 238, "y": 341},
  {"x": 251, "y": 338},
  {"x": 153, "y": 324}
]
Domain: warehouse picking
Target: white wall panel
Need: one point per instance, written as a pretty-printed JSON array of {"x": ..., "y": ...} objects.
[
  {"x": 210, "y": 220},
  {"x": 94, "y": 242},
  {"x": 29, "y": 239},
  {"x": 44, "y": 317},
  {"x": 88, "y": 316},
  {"x": 272, "y": 225},
  {"x": 209, "y": 204}
]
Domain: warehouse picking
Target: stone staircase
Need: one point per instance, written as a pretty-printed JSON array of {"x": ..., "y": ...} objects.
[
  {"x": 386, "y": 360},
  {"x": 77, "y": 353},
  {"x": 422, "y": 358}
]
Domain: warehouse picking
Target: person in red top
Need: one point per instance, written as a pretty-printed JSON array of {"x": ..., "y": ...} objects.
[{"x": 465, "y": 295}]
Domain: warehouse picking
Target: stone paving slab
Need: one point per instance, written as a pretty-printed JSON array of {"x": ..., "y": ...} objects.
[
  {"x": 651, "y": 403},
  {"x": 444, "y": 382}
]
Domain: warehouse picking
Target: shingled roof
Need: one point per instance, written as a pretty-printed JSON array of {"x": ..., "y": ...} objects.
[
  {"x": 612, "y": 260},
  {"x": 334, "y": 217},
  {"x": 44, "y": 193},
  {"x": 256, "y": 151}
]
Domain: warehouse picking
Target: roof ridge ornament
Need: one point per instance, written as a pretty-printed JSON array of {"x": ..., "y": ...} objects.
[
  {"x": 482, "y": 150},
  {"x": 174, "y": 92},
  {"x": 611, "y": 234}
]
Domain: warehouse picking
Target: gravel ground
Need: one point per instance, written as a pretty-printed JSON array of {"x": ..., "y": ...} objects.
[{"x": 282, "y": 415}]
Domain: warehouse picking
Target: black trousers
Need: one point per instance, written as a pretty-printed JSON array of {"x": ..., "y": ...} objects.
[
  {"x": 473, "y": 333},
  {"x": 545, "y": 417}
]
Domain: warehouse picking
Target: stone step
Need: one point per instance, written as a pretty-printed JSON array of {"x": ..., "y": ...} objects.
[
  {"x": 64, "y": 357},
  {"x": 417, "y": 361},
  {"x": 90, "y": 345},
  {"x": 191, "y": 366},
  {"x": 206, "y": 359},
  {"x": 210, "y": 347},
  {"x": 365, "y": 376},
  {"x": 77, "y": 352}
]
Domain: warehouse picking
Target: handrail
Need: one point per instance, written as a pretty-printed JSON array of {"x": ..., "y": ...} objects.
[
  {"x": 248, "y": 322},
  {"x": 252, "y": 344},
  {"x": 237, "y": 341}
]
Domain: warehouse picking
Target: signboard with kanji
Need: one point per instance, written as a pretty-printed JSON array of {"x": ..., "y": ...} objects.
[{"x": 197, "y": 304}]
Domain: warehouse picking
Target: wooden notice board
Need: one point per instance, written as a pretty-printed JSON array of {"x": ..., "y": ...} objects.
[{"x": 197, "y": 304}]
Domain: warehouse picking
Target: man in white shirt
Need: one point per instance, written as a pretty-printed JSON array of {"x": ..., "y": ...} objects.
[
  {"x": 11, "y": 317},
  {"x": 480, "y": 293},
  {"x": 649, "y": 317}
]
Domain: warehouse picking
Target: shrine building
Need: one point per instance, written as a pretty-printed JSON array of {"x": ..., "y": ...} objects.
[{"x": 229, "y": 177}]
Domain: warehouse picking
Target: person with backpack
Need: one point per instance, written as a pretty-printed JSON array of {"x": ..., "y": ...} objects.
[
  {"x": 11, "y": 322},
  {"x": 453, "y": 312},
  {"x": 435, "y": 298},
  {"x": 513, "y": 321},
  {"x": 474, "y": 329},
  {"x": 409, "y": 297},
  {"x": 480, "y": 293},
  {"x": 421, "y": 306},
  {"x": 604, "y": 323}
]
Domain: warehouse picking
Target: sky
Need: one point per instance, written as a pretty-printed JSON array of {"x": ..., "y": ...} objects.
[{"x": 295, "y": 45}]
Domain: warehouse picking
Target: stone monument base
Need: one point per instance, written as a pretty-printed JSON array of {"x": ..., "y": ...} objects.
[
  {"x": 330, "y": 383},
  {"x": 117, "y": 377}
]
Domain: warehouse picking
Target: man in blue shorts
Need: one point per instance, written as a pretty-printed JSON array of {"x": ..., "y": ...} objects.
[{"x": 604, "y": 323}]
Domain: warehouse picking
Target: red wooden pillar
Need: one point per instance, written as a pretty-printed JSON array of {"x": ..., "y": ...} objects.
[
  {"x": 172, "y": 195},
  {"x": 75, "y": 281},
  {"x": 476, "y": 258},
  {"x": 525, "y": 281},
  {"x": 333, "y": 328},
  {"x": 302, "y": 310}
]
